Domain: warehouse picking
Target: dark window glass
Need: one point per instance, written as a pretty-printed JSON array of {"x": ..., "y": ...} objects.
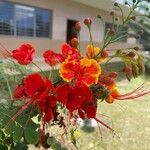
[
  {"x": 6, "y": 18},
  {"x": 24, "y": 20},
  {"x": 43, "y": 23}
]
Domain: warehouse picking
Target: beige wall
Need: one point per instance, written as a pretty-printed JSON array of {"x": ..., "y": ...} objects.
[{"x": 62, "y": 10}]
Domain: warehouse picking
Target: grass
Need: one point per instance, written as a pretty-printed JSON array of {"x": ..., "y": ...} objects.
[{"x": 131, "y": 122}]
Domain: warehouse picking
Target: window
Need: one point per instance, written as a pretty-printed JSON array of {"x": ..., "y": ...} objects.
[
  {"x": 42, "y": 23},
  {"x": 23, "y": 20},
  {"x": 6, "y": 18}
]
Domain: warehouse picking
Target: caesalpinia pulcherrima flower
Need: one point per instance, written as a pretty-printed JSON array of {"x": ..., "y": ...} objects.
[
  {"x": 86, "y": 71},
  {"x": 24, "y": 54},
  {"x": 67, "y": 53},
  {"x": 52, "y": 58},
  {"x": 38, "y": 90},
  {"x": 92, "y": 52}
]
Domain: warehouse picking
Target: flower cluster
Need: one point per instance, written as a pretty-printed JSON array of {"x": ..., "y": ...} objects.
[{"x": 84, "y": 81}]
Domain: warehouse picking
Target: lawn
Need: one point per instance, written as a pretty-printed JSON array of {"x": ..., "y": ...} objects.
[{"x": 131, "y": 122}]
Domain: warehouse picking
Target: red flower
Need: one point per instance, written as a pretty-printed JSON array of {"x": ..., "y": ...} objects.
[
  {"x": 88, "y": 109},
  {"x": 62, "y": 93},
  {"x": 24, "y": 54},
  {"x": 46, "y": 106},
  {"x": 34, "y": 84},
  {"x": 19, "y": 92},
  {"x": 70, "y": 52},
  {"x": 39, "y": 91},
  {"x": 73, "y": 95},
  {"x": 52, "y": 58}
]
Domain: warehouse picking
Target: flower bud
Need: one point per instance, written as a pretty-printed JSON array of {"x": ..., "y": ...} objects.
[
  {"x": 136, "y": 48},
  {"x": 88, "y": 21},
  {"x": 74, "y": 42},
  {"x": 109, "y": 99},
  {"x": 135, "y": 70},
  {"x": 133, "y": 18},
  {"x": 127, "y": 70},
  {"x": 112, "y": 31},
  {"x": 108, "y": 80},
  {"x": 113, "y": 74},
  {"x": 99, "y": 16},
  {"x": 134, "y": 1},
  {"x": 112, "y": 13},
  {"x": 78, "y": 26},
  {"x": 116, "y": 4},
  {"x": 116, "y": 19},
  {"x": 104, "y": 54},
  {"x": 131, "y": 54}
]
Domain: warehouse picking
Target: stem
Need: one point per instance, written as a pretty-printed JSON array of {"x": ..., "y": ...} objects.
[
  {"x": 91, "y": 39},
  {"x": 50, "y": 73},
  {"x": 10, "y": 92},
  {"x": 24, "y": 107},
  {"x": 122, "y": 15},
  {"x": 119, "y": 38},
  {"x": 8, "y": 86},
  {"x": 105, "y": 34},
  {"x": 39, "y": 68},
  {"x": 79, "y": 46}
]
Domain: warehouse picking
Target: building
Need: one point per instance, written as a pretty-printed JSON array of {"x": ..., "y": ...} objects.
[{"x": 46, "y": 23}]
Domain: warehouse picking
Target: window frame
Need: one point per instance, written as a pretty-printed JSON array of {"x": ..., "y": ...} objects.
[{"x": 34, "y": 28}]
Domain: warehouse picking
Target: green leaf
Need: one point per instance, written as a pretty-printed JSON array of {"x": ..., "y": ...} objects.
[
  {"x": 2, "y": 147},
  {"x": 21, "y": 146},
  {"x": 2, "y": 135},
  {"x": 31, "y": 136},
  {"x": 18, "y": 133},
  {"x": 10, "y": 129}
]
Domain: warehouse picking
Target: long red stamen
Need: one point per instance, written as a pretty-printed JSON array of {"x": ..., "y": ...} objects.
[
  {"x": 134, "y": 91},
  {"x": 138, "y": 92},
  {"x": 104, "y": 124}
]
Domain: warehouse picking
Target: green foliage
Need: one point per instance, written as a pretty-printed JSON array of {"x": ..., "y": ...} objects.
[
  {"x": 22, "y": 129},
  {"x": 11, "y": 73}
]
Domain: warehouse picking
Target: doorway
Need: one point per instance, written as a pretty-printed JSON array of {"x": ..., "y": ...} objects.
[{"x": 71, "y": 32}]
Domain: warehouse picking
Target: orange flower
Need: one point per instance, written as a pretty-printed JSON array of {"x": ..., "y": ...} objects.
[
  {"x": 86, "y": 71},
  {"x": 92, "y": 51}
]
